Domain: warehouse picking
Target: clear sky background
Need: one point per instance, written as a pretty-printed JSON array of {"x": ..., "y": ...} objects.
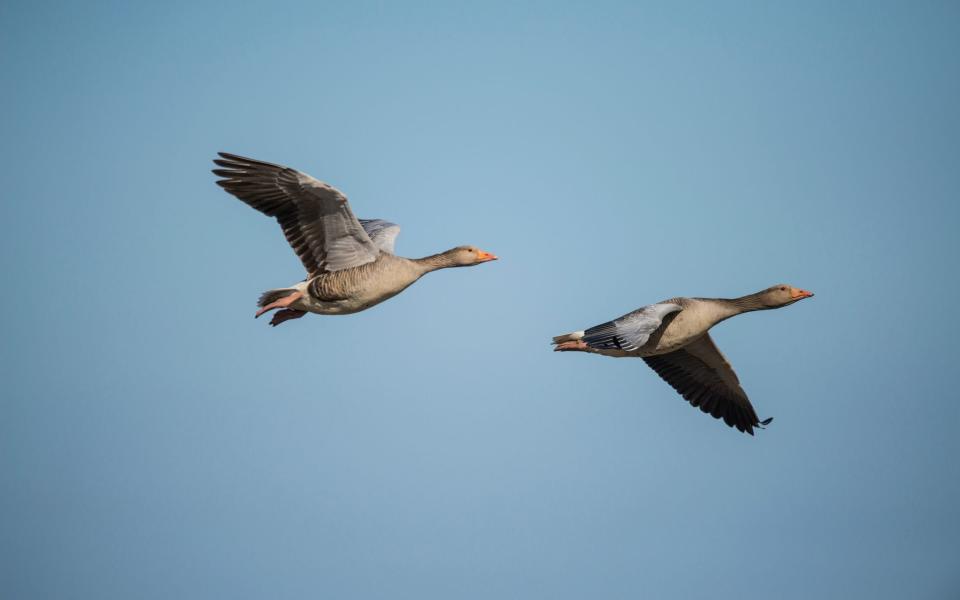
[{"x": 157, "y": 442}]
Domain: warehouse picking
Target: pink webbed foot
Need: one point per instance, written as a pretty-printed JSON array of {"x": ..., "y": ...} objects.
[
  {"x": 281, "y": 303},
  {"x": 285, "y": 315},
  {"x": 570, "y": 346}
]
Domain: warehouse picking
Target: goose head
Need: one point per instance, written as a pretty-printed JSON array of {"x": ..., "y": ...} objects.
[
  {"x": 782, "y": 295},
  {"x": 467, "y": 256}
]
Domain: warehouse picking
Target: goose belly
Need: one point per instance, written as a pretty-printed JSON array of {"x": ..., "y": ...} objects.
[{"x": 359, "y": 300}]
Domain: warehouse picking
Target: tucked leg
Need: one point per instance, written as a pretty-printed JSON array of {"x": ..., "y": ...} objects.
[
  {"x": 285, "y": 315},
  {"x": 281, "y": 303},
  {"x": 574, "y": 346}
]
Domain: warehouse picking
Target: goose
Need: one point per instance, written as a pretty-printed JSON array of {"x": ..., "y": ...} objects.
[
  {"x": 350, "y": 262},
  {"x": 672, "y": 338}
]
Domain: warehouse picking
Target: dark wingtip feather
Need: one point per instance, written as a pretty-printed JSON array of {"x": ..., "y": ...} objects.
[
  {"x": 246, "y": 161},
  {"x": 227, "y": 163}
]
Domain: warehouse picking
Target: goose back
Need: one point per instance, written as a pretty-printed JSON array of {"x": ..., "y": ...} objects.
[{"x": 680, "y": 328}]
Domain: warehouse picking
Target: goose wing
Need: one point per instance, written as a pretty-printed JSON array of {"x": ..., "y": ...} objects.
[
  {"x": 702, "y": 375},
  {"x": 631, "y": 331},
  {"x": 315, "y": 217},
  {"x": 382, "y": 233}
]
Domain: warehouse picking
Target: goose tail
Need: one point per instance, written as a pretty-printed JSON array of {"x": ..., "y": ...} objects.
[{"x": 569, "y": 342}]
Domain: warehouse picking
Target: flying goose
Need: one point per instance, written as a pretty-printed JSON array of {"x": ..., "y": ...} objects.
[
  {"x": 350, "y": 262},
  {"x": 671, "y": 337}
]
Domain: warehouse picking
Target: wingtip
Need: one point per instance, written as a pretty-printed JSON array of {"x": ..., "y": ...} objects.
[
  {"x": 760, "y": 425},
  {"x": 232, "y": 158},
  {"x": 246, "y": 162}
]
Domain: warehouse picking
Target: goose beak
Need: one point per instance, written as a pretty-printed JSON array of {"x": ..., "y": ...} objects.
[
  {"x": 485, "y": 256},
  {"x": 799, "y": 294}
]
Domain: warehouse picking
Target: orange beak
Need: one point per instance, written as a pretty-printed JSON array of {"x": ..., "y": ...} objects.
[
  {"x": 485, "y": 256},
  {"x": 799, "y": 294}
]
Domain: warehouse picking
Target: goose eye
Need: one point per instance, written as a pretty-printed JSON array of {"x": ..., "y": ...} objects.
[{"x": 783, "y": 289}]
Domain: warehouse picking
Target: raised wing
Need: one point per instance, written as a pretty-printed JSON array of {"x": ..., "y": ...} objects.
[
  {"x": 382, "y": 233},
  {"x": 702, "y": 375},
  {"x": 631, "y": 331},
  {"x": 315, "y": 217}
]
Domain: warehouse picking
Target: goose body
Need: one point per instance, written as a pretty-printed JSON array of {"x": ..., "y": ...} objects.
[
  {"x": 353, "y": 290},
  {"x": 350, "y": 262},
  {"x": 672, "y": 337}
]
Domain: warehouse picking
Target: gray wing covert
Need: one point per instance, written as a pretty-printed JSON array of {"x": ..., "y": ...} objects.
[
  {"x": 382, "y": 233},
  {"x": 631, "y": 331}
]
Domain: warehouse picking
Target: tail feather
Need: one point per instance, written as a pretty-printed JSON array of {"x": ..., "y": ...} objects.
[
  {"x": 568, "y": 337},
  {"x": 569, "y": 342}
]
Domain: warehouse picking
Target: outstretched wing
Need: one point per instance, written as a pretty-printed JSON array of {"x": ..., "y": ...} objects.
[
  {"x": 315, "y": 217},
  {"x": 382, "y": 233},
  {"x": 631, "y": 331},
  {"x": 702, "y": 375}
]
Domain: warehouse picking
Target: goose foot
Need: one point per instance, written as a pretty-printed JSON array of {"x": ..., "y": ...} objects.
[
  {"x": 285, "y": 315},
  {"x": 575, "y": 345},
  {"x": 281, "y": 303}
]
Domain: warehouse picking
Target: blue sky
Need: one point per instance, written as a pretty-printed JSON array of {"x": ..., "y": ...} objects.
[{"x": 158, "y": 442}]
